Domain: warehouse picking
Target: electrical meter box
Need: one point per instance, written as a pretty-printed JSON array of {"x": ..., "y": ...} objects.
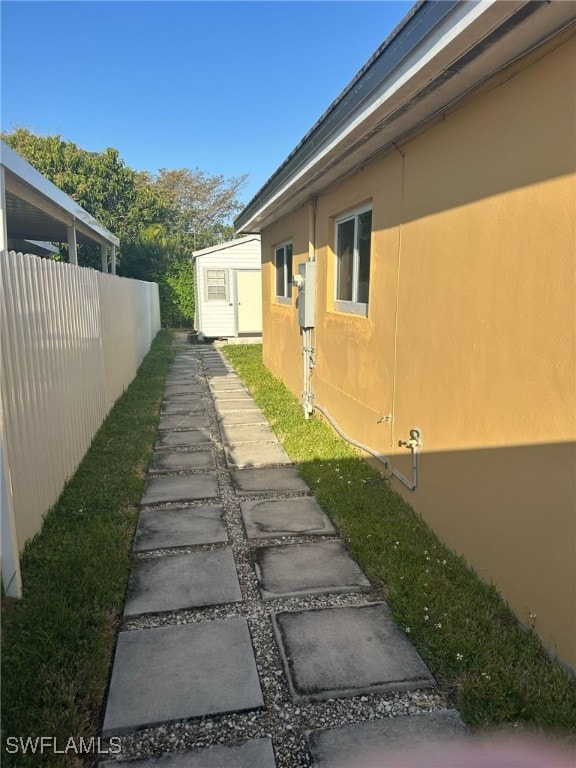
[{"x": 306, "y": 282}]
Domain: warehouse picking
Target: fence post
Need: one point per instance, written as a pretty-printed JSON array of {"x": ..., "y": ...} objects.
[{"x": 72, "y": 250}]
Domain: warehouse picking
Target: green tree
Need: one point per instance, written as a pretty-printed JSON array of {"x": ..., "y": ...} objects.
[
  {"x": 160, "y": 258},
  {"x": 180, "y": 279},
  {"x": 203, "y": 205}
]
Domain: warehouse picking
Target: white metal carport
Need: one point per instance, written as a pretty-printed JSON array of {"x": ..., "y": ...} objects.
[{"x": 32, "y": 207}]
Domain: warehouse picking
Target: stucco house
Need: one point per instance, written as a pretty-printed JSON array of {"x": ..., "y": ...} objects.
[
  {"x": 435, "y": 202},
  {"x": 228, "y": 286}
]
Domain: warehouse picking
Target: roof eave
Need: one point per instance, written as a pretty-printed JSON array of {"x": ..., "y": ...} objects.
[{"x": 456, "y": 52}]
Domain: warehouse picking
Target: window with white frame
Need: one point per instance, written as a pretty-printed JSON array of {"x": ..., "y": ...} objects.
[
  {"x": 352, "y": 248},
  {"x": 283, "y": 265},
  {"x": 216, "y": 284}
]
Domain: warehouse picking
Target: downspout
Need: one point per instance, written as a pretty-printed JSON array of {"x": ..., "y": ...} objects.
[{"x": 399, "y": 258}]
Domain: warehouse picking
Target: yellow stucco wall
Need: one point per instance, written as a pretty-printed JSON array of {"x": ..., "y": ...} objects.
[
  {"x": 281, "y": 350},
  {"x": 470, "y": 333}
]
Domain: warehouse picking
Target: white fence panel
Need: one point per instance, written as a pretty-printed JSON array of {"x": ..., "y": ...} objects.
[{"x": 72, "y": 340}]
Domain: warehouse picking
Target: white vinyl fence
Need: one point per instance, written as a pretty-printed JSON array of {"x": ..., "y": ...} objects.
[{"x": 72, "y": 340}]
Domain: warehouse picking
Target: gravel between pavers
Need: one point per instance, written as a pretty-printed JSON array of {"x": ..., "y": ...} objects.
[{"x": 281, "y": 719}]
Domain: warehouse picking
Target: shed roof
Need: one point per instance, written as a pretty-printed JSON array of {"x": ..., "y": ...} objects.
[
  {"x": 442, "y": 52},
  {"x": 37, "y": 209},
  {"x": 226, "y": 246}
]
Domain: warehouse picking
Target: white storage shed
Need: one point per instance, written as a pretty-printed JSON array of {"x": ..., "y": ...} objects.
[{"x": 228, "y": 285}]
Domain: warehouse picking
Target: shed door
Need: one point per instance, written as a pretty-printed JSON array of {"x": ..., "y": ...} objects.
[{"x": 249, "y": 294}]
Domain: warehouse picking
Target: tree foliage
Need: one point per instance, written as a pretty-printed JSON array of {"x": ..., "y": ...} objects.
[
  {"x": 160, "y": 218},
  {"x": 200, "y": 204},
  {"x": 162, "y": 259}
]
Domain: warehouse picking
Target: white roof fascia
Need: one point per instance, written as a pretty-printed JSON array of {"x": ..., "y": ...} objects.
[{"x": 27, "y": 174}]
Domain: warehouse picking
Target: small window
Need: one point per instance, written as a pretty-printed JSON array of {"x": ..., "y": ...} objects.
[
  {"x": 216, "y": 285},
  {"x": 283, "y": 264},
  {"x": 352, "y": 246}
]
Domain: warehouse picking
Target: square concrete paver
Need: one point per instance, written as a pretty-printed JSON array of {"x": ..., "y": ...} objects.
[
  {"x": 228, "y": 384},
  {"x": 256, "y": 455},
  {"x": 185, "y": 357},
  {"x": 181, "y": 527},
  {"x": 182, "y": 389},
  {"x": 218, "y": 360},
  {"x": 187, "y": 382},
  {"x": 184, "y": 439},
  {"x": 215, "y": 357},
  {"x": 284, "y": 517},
  {"x": 251, "y": 417},
  {"x": 184, "y": 421},
  {"x": 176, "y": 582},
  {"x": 256, "y": 753},
  {"x": 232, "y": 394},
  {"x": 222, "y": 374},
  {"x": 190, "y": 407},
  {"x": 248, "y": 433},
  {"x": 234, "y": 406},
  {"x": 163, "y": 490},
  {"x": 377, "y": 742},
  {"x": 307, "y": 569},
  {"x": 268, "y": 479},
  {"x": 181, "y": 461},
  {"x": 182, "y": 378},
  {"x": 182, "y": 397},
  {"x": 186, "y": 369},
  {"x": 337, "y": 652},
  {"x": 177, "y": 672},
  {"x": 214, "y": 370}
]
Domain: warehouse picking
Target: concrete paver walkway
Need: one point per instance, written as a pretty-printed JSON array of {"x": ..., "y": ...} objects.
[{"x": 185, "y": 664}]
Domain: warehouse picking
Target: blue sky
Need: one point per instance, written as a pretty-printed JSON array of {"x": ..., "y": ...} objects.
[{"x": 227, "y": 87}]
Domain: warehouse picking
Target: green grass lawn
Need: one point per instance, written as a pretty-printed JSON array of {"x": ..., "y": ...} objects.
[
  {"x": 57, "y": 640},
  {"x": 497, "y": 672}
]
